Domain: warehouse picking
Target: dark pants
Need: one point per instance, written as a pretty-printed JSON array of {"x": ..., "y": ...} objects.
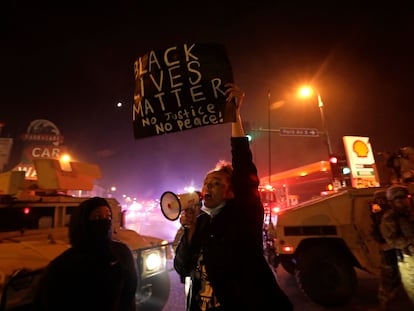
[{"x": 390, "y": 277}]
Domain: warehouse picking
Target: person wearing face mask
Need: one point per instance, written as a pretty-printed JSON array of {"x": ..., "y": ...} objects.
[
  {"x": 221, "y": 249},
  {"x": 96, "y": 272}
]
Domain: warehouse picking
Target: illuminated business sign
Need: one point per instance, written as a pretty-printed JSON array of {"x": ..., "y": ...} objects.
[
  {"x": 42, "y": 140},
  {"x": 43, "y": 131},
  {"x": 361, "y": 161},
  {"x": 43, "y": 152}
]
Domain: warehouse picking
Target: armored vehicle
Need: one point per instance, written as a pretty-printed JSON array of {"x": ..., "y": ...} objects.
[
  {"x": 34, "y": 218},
  {"x": 323, "y": 240}
]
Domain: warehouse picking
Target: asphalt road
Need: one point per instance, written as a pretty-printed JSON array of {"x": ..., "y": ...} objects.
[
  {"x": 364, "y": 300},
  {"x": 176, "y": 301}
]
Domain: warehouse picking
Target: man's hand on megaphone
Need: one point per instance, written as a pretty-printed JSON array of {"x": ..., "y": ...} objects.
[
  {"x": 188, "y": 217},
  {"x": 188, "y": 220}
]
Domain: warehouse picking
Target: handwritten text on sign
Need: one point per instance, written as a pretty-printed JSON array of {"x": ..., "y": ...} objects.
[{"x": 180, "y": 88}]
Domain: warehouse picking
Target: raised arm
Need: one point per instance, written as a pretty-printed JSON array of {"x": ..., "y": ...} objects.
[{"x": 235, "y": 97}]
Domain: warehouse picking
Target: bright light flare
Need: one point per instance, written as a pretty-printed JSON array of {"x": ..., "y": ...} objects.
[
  {"x": 288, "y": 249},
  {"x": 64, "y": 162},
  {"x": 153, "y": 262},
  {"x": 305, "y": 91},
  {"x": 65, "y": 158},
  {"x": 189, "y": 189},
  {"x": 268, "y": 188}
]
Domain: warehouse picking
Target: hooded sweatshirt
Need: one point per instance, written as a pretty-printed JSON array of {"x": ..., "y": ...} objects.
[{"x": 96, "y": 273}]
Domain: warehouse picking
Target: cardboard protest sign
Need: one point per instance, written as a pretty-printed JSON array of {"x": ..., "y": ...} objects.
[{"x": 181, "y": 88}]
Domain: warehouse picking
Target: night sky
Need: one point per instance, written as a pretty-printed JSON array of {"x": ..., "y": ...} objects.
[{"x": 72, "y": 65}]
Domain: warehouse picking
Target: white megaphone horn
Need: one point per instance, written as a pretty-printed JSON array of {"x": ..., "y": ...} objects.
[{"x": 172, "y": 204}]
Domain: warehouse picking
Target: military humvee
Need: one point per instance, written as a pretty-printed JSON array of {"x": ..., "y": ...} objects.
[{"x": 34, "y": 218}]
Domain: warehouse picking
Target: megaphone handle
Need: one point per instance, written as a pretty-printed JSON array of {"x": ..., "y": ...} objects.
[{"x": 188, "y": 217}]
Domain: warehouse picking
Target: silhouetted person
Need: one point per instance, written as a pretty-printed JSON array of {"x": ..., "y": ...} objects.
[{"x": 96, "y": 273}]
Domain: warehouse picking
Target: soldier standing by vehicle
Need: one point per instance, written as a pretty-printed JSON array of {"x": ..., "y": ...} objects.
[
  {"x": 222, "y": 249},
  {"x": 390, "y": 278},
  {"x": 397, "y": 228}
]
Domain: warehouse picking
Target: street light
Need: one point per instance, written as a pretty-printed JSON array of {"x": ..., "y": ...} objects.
[
  {"x": 110, "y": 191},
  {"x": 64, "y": 162},
  {"x": 307, "y": 91},
  {"x": 268, "y": 136},
  {"x": 270, "y": 107},
  {"x": 270, "y": 148}
]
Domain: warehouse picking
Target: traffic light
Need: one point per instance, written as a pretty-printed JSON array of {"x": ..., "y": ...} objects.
[
  {"x": 339, "y": 167},
  {"x": 333, "y": 161},
  {"x": 247, "y": 129}
]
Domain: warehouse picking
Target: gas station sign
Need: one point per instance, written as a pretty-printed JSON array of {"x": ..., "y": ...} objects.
[{"x": 361, "y": 161}]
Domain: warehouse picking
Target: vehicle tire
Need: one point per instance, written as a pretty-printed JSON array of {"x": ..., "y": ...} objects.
[
  {"x": 326, "y": 276},
  {"x": 289, "y": 265},
  {"x": 160, "y": 291}
]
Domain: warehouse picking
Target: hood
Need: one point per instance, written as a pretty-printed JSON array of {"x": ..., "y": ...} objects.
[{"x": 79, "y": 224}]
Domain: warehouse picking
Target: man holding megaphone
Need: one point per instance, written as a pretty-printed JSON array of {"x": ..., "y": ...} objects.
[{"x": 221, "y": 249}]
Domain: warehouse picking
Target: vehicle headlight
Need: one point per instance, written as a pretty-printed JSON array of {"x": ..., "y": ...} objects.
[{"x": 153, "y": 261}]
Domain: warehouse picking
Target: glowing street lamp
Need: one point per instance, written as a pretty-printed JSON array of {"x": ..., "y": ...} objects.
[
  {"x": 307, "y": 91},
  {"x": 64, "y": 162},
  {"x": 269, "y": 137},
  {"x": 65, "y": 158},
  {"x": 109, "y": 191}
]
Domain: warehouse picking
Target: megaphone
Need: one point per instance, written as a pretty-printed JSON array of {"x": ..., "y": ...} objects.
[{"x": 172, "y": 204}]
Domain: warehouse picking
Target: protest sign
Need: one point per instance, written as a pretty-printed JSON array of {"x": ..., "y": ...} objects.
[{"x": 181, "y": 88}]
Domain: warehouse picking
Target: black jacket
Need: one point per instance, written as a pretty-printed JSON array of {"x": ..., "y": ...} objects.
[
  {"x": 88, "y": 276},
  {"x": 232, "y": 245}
]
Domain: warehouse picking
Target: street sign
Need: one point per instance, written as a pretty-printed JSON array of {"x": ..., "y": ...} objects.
[{"x": 289, "y": 131}]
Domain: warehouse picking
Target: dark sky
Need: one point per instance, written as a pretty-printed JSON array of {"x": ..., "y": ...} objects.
[{"x": 71, "y": 65}]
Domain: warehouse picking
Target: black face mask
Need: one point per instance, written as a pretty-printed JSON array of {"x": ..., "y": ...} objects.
[{"x": 99, "y": 231}]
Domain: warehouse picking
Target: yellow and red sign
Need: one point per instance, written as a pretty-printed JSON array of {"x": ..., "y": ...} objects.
[{"x": 361, "y": 161}]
